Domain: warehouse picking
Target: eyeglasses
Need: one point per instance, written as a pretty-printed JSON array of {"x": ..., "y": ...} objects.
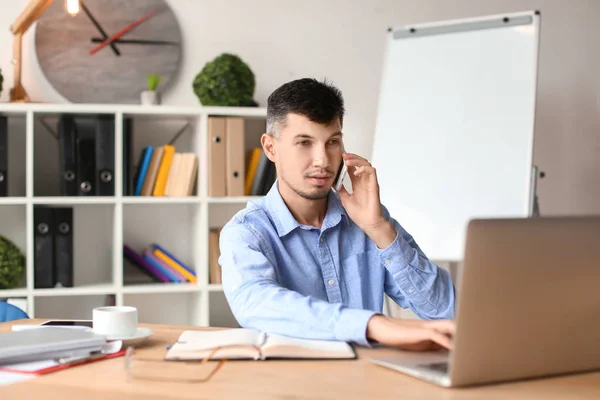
[{"x": 159, "y": 370}]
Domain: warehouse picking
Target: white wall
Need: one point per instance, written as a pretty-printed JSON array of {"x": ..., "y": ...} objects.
[{"x": 344, "y": 40}]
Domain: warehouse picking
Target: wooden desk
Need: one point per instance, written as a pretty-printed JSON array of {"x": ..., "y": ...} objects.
[{"x": 278, "y": 379}]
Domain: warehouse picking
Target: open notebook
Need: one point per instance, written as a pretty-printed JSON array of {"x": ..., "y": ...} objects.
[{"x": 251, "y": 344}]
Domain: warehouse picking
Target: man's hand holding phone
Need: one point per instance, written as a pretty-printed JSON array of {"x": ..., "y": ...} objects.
[{"x": 364, "y": 205}]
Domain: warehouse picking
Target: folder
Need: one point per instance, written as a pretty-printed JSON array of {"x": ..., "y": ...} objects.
[
  {"x": 63, "y": 246},
  {"x": 86, "y": 166},
  {"x": 253, "y": 160},
  {"x": 216, "y": 157},
  {"x": 43, "y": 247},
  {"x": 3, "y": 156},
  {"x": 127, "y": 156},
  {"x": 261, "y": 176},
  {"x": 67, "y": 138},
  {"x": 105, "y": 156},
  {"x": 234, "y": 156}
]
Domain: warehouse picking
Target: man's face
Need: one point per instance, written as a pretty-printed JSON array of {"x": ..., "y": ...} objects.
[{"x": 308, "y": 155}]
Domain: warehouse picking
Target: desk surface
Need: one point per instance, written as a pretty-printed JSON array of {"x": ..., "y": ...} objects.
[{"x": 278, "y": 379}]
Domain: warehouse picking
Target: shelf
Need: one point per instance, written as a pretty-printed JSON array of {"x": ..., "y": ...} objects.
[
  {"x": 162, "y": 288},
  {"x": 131, "y": 109},
  {"x": 103, "y": 224},
  {"x": 13, "y": 200},
  {"x": 215, "y": 287},
  {"x": 159, "y": 200},
  {"x": 18, "y": 292},
  {"x": 76, "y": 291},
  {"x": 75, "y": 200},
  {"x": 231, "y": 200}
]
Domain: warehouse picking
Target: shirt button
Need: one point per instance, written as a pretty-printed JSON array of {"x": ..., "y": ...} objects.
[
  {"x": 321, "y": 240},
  {"x": 388, "y": 261},
  {"x": 331, "y": 282},
  {"x": 410, "y": 291}
]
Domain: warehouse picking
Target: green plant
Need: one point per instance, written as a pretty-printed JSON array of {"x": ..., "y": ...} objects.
[
  {"x": 153, "y": 81},
  {"x": 12, "y": 264},
  {"x": 225, "y": 81}
]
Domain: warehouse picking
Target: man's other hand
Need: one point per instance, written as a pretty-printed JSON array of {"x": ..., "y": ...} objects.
[{"x": 413, "y": 335}]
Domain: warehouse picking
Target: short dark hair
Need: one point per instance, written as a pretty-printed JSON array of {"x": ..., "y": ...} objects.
[{"x": 320, "y": 102}]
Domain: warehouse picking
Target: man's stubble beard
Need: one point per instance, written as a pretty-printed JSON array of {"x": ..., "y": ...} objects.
[{"x": 308, "y": 196}]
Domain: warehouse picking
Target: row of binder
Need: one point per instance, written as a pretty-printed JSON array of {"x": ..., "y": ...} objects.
[
  {"x": 53, "y": 246},
  {"x": 232, "y": 172},
  {"x": 87, "y": 156},
  {"x": 159, "y": 264},
  {"x": 163, "y": 172}
]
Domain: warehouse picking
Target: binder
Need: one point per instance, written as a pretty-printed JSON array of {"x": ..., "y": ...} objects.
[
  {"x": 216, "y": 157},
  {"x": 234, "y": 156},
  {"x": 105, "y": 155},
  {"x": 86, "y": 166},
  {"x": 63, "y": 246},
  {"x": 67, "y": 138},
  {"x": 127, "y": 156},
  {"x": 3, "y": 156},
  {"x": 44, "y": 247},
  {"x": 261, "y": 176}
]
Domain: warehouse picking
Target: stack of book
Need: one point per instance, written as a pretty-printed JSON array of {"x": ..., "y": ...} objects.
[
  {"x": 160, "y": 265},
  {"x": 163, "y": 172}
]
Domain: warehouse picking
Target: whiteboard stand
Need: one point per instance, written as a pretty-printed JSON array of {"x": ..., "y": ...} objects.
[
  {"x": 455, "y": 126},
  {"x": 534, "y": 208}
]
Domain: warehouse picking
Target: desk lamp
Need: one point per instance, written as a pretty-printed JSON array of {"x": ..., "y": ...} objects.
[{"x": 28, "y": 16}]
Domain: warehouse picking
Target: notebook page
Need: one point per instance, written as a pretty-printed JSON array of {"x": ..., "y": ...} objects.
[
  {"x": 206, "y": 340},
  {"x": 288, "y": 347}
]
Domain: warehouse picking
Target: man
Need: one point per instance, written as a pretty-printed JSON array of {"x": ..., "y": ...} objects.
[{"x": 308, "y": 262}]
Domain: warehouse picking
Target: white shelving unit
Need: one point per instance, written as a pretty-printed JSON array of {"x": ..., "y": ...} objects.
[{"x": 102, "y": 225}]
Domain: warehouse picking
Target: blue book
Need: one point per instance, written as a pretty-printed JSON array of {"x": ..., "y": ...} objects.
[
  {"x": 148, "y": 257},
  {"x": 143, "y": 169}
]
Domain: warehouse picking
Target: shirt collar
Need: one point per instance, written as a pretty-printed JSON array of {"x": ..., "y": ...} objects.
[{"x": 285, "y": 221}]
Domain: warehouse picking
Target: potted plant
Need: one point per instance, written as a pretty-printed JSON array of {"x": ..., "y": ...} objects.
[
  {"x": 12, "y": 264},
  {"x": 151, "y": 96},
  {"x": 225, "y": 81}
]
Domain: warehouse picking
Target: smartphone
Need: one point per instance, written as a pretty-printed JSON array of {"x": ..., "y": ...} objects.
[
  {"x": 71, "y": 323},
  {"x": 341, "y": 174}
]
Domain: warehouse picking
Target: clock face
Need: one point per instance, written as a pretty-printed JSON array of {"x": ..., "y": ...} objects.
[{"x": 74, "y": 57}]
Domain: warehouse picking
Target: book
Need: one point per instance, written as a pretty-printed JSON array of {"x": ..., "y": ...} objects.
[{"x": 251, "y": 344}]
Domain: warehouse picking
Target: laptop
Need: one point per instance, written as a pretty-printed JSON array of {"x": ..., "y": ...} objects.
[{"x": 528, "y": 305}]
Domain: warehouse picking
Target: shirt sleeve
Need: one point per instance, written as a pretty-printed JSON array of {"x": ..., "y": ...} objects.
[
  {"x": 258, "y": 301},
  {"x": 412, "y": 280}
]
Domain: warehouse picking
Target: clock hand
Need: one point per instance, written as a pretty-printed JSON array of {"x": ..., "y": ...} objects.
[
  {"x": 124, "y": 30},
  {"x": 135, "y": 41},
  {"x": 89, "y": 14}
]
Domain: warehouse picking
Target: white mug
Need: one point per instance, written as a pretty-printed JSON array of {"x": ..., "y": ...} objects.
[{"x": 115, "y": 321}]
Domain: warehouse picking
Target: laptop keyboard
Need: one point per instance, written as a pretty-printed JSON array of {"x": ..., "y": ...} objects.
[{"x": 441, "y": 366}]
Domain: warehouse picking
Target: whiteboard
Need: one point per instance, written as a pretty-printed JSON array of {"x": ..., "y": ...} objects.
[{"x": 455, "y": 126}]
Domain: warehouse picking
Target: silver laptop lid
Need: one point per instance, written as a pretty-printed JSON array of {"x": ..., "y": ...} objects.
[{"x": 529, "y": 299}]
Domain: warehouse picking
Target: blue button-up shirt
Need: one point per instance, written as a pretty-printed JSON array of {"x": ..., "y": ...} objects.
[{"x": 284, "y": 277}]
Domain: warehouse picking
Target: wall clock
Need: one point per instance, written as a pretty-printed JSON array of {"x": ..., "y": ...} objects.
[{"x": 75, "y": 57}]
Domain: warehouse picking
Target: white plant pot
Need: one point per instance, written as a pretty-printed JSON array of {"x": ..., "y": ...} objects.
[{"x": 150, "y": 97}]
